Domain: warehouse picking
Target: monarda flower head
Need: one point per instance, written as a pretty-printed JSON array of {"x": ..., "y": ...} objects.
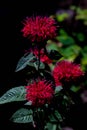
[
  {"x": 39, "y": 93},
  {"x": 38, "y": 28},
  {"x": 43, "y": 57},
  {"x": 66, "y": 71}
]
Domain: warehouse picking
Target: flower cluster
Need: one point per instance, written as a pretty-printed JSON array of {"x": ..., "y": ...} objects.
[
  {"x": 39, "y": 28},
  {"x": 39, "y": 93},
  {"x": 66, "y": 71},
  {"x": 43, "y": 57}
]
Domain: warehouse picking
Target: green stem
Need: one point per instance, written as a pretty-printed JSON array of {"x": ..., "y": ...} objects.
[
  {"x": 40, "y": 122},
  {"x": 68, "y": 95},
  {"x": 38, "y": 58}
]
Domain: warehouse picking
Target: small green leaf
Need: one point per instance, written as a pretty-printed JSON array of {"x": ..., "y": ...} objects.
[
  {"x": 52, "y": 118},
  {"x": 24, "y": 61},
  {"x": 29, "y": 103},
  {"x": 41, "y": 66},
  {"x": 51, "y": 46},
  {"x": 50, "y": 126},
  {"x": 75, "y": 88},
  {"x": 84, "y": 61},
  {"x": 58, "y": 89},
  {"x": 53, "y": 50},
  {"x": 63, "y": 32},
  {"x": 36, "y": 63},
  {"x": 81, "y": 37},
  {"x": 55, "y": 117},
  {"x": 22, "y": 116},
  {"x": 55, "y": 55},
  {"x": 14, "y": 94},
  {"x": 58, "y": 115},
  {"x": 62, "y": 17}
]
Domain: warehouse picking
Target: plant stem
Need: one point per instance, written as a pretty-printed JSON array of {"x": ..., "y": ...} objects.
[
  {"x": 68, "y": 95},
  {"x": 39, "y": 120},
  {"x": 38, "y": 58}
]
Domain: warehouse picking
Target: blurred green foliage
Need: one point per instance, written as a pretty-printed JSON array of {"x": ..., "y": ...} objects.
[
  {"x": 81, "y": 14},
  {"x": 72, "y": 44}
]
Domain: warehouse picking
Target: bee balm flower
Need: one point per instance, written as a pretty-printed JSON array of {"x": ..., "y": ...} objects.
[
  {"x": 39, "y": 28},
  {"x": 66, "y": 71},
  {"x": 39, "y": 93}
]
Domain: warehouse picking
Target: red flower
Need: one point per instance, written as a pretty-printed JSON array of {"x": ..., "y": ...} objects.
[
  {"x": 43, "y": 57},
  {"x": 39, "y": 28},
  {"x": 66, "y": 71},
  {"x": 39, "y": 93}
]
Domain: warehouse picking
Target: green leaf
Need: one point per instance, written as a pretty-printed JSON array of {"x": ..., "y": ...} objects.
[
  {"x": 29, "y": 103},
  {"x": 53, "y": 50},
  {"x": 81, "y": 14},
  {"x": 55, "y": 55},
  {"x": 36, "y": 63},
  {"x": 51, "y": 46},
  {"x": 50, "y": 126},
  {"x": 66, "y": 40},
  {"x": 52, "y": 119},
  {"x": 14, "y": 94},
  {"x": 58, "y": 89},
  {"x": 80, "y": 37},
  {"x": 75, "y": 88},
  {"x": 84, "y": 62},
  {"x": 24, "y": 61},
  {"x": 22, "y": 116},
  {"x": 55, "y": 117},
  {"x": 41, "y": 66},
  {"x": 71, "y": 52},
  {"x": 58, "y": 115},
  {"x": 63, "y": 32},
  {"x": 62, "y": 17}
]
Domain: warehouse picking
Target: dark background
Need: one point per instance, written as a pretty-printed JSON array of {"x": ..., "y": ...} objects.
[{"x": 12, "y": 12}]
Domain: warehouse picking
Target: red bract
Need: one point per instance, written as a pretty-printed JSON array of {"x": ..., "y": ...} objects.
[
  {"x": 43, "y": 57},
  {"x": 39, "y": 93},
  {"x": 66, "y": 71},
  {"x": 39, "y": 28}
]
